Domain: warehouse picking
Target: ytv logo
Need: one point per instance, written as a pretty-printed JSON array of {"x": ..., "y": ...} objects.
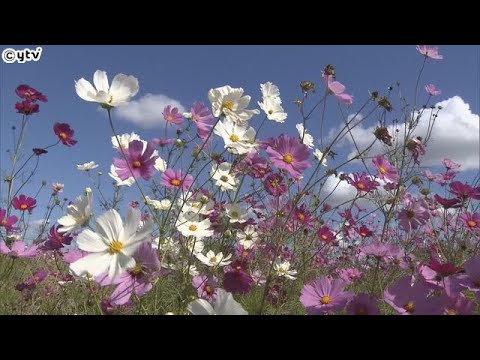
[{"x": 10, "y": 55}]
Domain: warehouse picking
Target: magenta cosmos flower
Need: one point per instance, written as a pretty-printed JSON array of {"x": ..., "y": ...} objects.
[
  {"x": 324, "y": 295},
  {"x": 139, "y": 161},
  {"x": 432, "y": 90},
  {"x": 26, "y": 107},
  {"x": 172, "y": 116},
  {"x": 202, "y": 117},
  {"x": 237, "y": 281},
  {"x": 274, "y": 185},
  {"x": 254, "y": 165},
  {"x": 324, "y": 234},
  {"x": 18, "y": 249},
  {"x": 338, "y": 89},
  {"x": 174, "y": 179},
  {"x": 429, "y": 52},
  {"x": 57, "y": 240},
  {"x": 464, "y": 191},
  {"x": 64, "y": 133},
  {"x": 362, "y": 304},
  {"x": 471, "y": 279},
  {"x": 289, "y": 154},
  {"x": 385, "y": 170},
  {"x": 362, "y": 182},
  {"x": 28, "y": 93},
  {"x": 447, "y": 203},
  {"x": 24, "y": 203},
  {"x": 7, "y": 222}
]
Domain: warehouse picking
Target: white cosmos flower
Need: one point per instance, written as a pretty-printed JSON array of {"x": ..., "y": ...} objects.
[
  {"x": 189, "y": 224},
  {"x": 223, "y": 178},
  {"x": 236, "y": 213},
  {"x": 112, "y": 246},
  {"x": 124, "y": 139},
  {"x": 283, "y": 269},
  {"x": 273, "y": 110},
  {"x": 167, "y": 244},
  {"x": 119, "y": 182},
  {"x": 270, "y": 91},
  {"x": 87, "y": 166},
  {"x": 224, "y": 305},
  {"x": 212, "y": 259},
  {"x": 194, "y": 246},
  {"x": 197, "y": 203},
  {"x": 305, "y": 137},
  {"x": 231, "y": 103},
  {"x": 78, "y": 213},
  {"x": 318, "y": 154},
  {"x": 247, "y": 237},
  {"x": 238, "y": 139},
  {"x": 158, "y": 205},
  {"x": 122, "y": 90}
]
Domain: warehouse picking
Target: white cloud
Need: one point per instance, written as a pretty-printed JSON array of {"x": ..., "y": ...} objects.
[
  {"x": 455, "y": 135},
  {"x": 146, "y": 112}
]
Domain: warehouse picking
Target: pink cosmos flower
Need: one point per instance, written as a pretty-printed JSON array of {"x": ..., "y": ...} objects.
[
  {"x": 26, "y": 107},
  {"x": 432, "y": 90},
  {"x": 417, "y": 148},
  {"x": 459, "y": 305},
  {"x": 39, "y": 152},
  {"x": 289, "y": 154},
  {"x": 414, "y": 213},
  {"x": 381, "y": 250},
  {"x": 64, "y": 133},
  {"x": 385, "y": 170},
  {"x": 174, "y": 179},
  {"x": 24, "y": 203},
  {"x": 237, "y": 281},
  {"x": 137, "y": 280},
  {"x": 7, "y": 222},
  {"x": 206, "y": 287},
  {"x": 408, "y": 299},
  {"x": 363, "y": 304},
  {"x": 365, "y": 232},
  {"x": 447, "y": 203},
  {"x": 57, "y": 240},
  {"x": 254, "y": 165},
  {"x": 450, "y": 165},
  {"x": 28, "y": 93},
  {"x": 349, "y": 274},
  {"x": 470, "y": 221},
  {"x": 172, "y": 116},
  {"x": 325, "y": 234},
  {"x": 324, "y": 295},
  {"x": 140, "y": 162},
  {"x": 202, "y": 117},
  {"x": 274, "y": 185},
  {"x": 338, "y": 89},
  {"x": 163, "y": 142},
  {"x": 362, "y": 182},
  {"x": 19, "y": 249},
  {"x": 429, "y": 52}
]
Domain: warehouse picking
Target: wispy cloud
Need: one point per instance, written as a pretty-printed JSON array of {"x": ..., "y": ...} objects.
[
  {"x": 455, "y": 135},
  {"x": 146, "y": 112}
]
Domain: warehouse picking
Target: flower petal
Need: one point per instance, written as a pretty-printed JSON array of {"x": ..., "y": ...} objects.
[
  {"x": 85, "y": 90},
  {"x": 100, "y": 80},
  {"x": 90, "y": 241},
  {"x": 200, "y": 307}
]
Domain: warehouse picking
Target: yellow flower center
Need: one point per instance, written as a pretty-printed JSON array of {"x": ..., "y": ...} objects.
[
  {"x": 3, "y": 222},
  {"x": 471, "y": 223},
  {"x": 115, "y": 247},
  {"x": 274, "y": 183},
  {"x": 62, "y": 135},
  {"x": 208, "y": 289},
  {"x": 234, "y": 214},
  {"x": 245, "y": 253},
  {"x": 361, "y": 186},
  {"x": 270, "y": 112},
  {"x": 169, "y": 117},
  {"x": 409, "y": 307},
  {"x": 137, "y": 164},
  {"x": 325, "y": 300},
  {"x": 382, "y": 170},
  {"x": 248, "y": 237},
  {"x": 228, "y": 104},
  {"x": 213, "y": 260},
  {"x": 288, "y": 158},
  {"x": 192, "y": 227},
  {"x": 224, "y": 178},
  {"x": 281, "y": 270},
  {"x": 137, "y": 270},
  {"x": 175, "y": 182},
  {"x": 23, "y": 207},
  {"x": 300, "y": 217},
  {"x": 324, "y": 237},
  {"x": 361, "y": 311},
  {"x": 452, "y": 312},
  {"x": 234, "y": 138}
]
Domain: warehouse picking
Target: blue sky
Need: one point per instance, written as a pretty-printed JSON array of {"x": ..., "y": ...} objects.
[{"x": 186, "y": 73}]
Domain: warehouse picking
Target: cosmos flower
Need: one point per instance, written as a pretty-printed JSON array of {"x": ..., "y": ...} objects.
[
  {"x": 230, "y": 103},
  {"x": 386, "y": 171},
  {"x": 123, "y": 88},
  {"x": 172, "y": 116},
  {"x": 429, "y": 52},
  {"x": 78, "y": 213},
  {"x": 138, "y": 162},
  {"x": 432, "y": 90},
  {"x": 87, "y": 166},
  {"x": 224, "y": 305},
  {"x": 289, "y": 154},
  {"x": 324, "y": 295},
  {"x": 64, "y": 133},
  {"x": 24, "y": 203},
  {"x": 338, "y": 89},
  {"x": 174, "y": 179}
]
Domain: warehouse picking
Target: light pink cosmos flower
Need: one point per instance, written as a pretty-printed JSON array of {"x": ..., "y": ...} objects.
[
  {"x": 324, "y": 295},
  {"x": 338, "y": 89},
  {"x": 386, "y": 171},
  {"x": 7, "y": 222},
  {"x": 471, "y": 221},
  {"x": 432, "y": 90},
  {"x": 289, "y": 154},
  {"x": 175, "y": 179},
  {"x": 429, "y": 52},
  {"x": 172, "y": 116},
  {"x": 141, "y": 163},
  {"x": 18, "y": 249},
  {"x": 202, "y": 117}
]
